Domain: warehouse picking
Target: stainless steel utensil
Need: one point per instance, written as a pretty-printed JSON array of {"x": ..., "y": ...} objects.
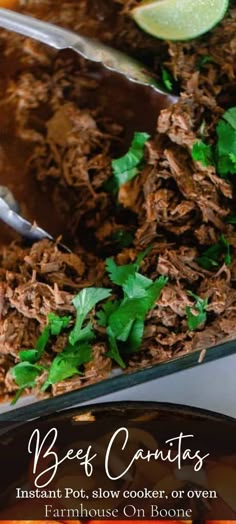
[
  {"x": 90, "y": 49},
  {"x": 9, "y": 213}
]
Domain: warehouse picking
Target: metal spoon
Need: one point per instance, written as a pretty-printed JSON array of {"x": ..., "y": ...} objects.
[{"x": 90, "y": 49}]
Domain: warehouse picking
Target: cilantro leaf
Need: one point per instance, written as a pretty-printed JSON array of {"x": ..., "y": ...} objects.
[
  {"x": 200, "y": 315},
  {"x": 119, "y": 274},
  {"x": 230, "y": 117},
  {"x": 26, "y": 372},
  {"x": 122, "y": 319},
  {"x": 207, "y": 263},
  {"x": 203, "y": 153},
  {"x": 54, "y": 327},
  {"x": 65, "y": 365},
  {"x": 135, "y": 337},
  {"x": 57, "y": 324},
  {"x": 122, "y": 238},
  {"x": 113, "y": 351},
  {"x": 29, "y": 355},
  {"x": 134, "y": 155},
  {"x": 231, "y": 219},
  {"x": 135, "y": 286},
  {"x": 104, "y": 313},
  {"x": 227, "y": 255},
  {"x": 206, "y": 59},
  {"x": 43, "y": 340},
  {"x": 232, "y": 157},
  {"x": 125, "y": 319},
  {"x": 87, "y": 299},
  {"x": 126, "y": 167},
  {"x": 142, "y": 255},
  {"x": 212, "y": 257},
  {"x": 226, "y": 144},
  {"x": 84, "y": 302},
  {"x": 223, "y": 156},
  {"x": 153, "y": 293},
  {"x": 225, "y": 166},
  {"x": 167, "y": 79},
  {"x": 226, "y": 138},
  {"x": 86, "y": 333},
  {"x": 33, "y": 355},
  {"x": 125, "y": 176},
  {"x": 24, "y": 375}
]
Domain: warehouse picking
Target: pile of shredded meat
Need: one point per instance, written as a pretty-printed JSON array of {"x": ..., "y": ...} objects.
[{"x": 175, "y": 204}]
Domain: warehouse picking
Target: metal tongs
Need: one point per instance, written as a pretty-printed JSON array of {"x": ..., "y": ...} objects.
[
  {"x": 10, "y": 214},
  {"x": 88, "y": 48}
]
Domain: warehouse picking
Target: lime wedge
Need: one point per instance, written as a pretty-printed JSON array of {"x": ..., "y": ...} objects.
[{"x": 179, "y": 19}]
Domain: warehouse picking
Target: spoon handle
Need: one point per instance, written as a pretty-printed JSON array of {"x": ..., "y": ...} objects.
[{"x": 90, "y": 49}]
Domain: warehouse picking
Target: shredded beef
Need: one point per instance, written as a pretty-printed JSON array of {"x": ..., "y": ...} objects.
[{"x": 175, "y": 204}]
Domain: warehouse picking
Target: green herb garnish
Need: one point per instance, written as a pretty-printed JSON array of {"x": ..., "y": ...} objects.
[
  {"x": 212, "y": 257},
  {"x": 203, "y": 153},
  {"x": 225, "y": 147},
  {"x": 27, "y": 371},
  {"x": 206, "y": 59},
  {"x": 230, "y": 117},
  {"x": 84, "y": 302},
  {"x": 78, "y": 352},
  {"x": 119, "y": 274},
  {"x": 226, "y": 144},
  {"x": 104, "y": 313},
  {"x": 231, "y": 219},
  {"x": 25, "y": 375},
  {"x": 167, "y": 79},
  {"x": 57, "y": 324},
  {"x": 127, "y": 167},
  {"x": 130, "y": 309},
  {"x": 54, "y": 327},
  {"x": 200, "y": 314},
  {"x": 66, "y": 364},
  {"x": 114, "y": 352},
  {"x": 223, "y": 156},
  {"x": 232, "y": 157},
  {"x": 123, "y": 320},
  {"x": 122, "y": 238}
]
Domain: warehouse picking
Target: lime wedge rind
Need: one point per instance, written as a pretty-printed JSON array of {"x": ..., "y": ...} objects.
[{"x": 179, "y": 19}]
